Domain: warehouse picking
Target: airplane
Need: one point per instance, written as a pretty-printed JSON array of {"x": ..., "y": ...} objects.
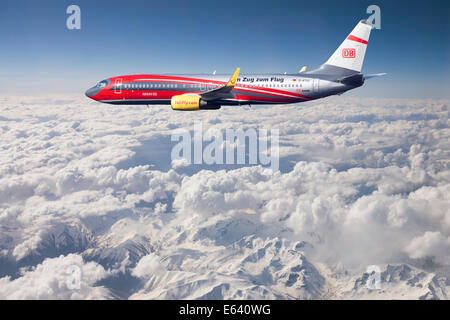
[{"x": 341, "y": 72}]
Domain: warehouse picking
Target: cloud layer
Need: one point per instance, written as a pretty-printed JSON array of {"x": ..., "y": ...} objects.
[{"x": 361, "y": 182}]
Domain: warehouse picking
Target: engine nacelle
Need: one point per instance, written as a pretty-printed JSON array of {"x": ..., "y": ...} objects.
[{"x": 190, "y": 103}]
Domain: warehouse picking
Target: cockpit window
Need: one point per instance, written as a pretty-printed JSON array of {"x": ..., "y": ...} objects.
[{"x": 102, "y": 84}]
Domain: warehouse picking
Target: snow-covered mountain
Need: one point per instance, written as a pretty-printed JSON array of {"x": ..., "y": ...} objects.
[{"x": 399, "y": 281}]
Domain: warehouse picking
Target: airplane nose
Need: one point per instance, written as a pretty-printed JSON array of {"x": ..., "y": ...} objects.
[{"x": 91, "y": 92}]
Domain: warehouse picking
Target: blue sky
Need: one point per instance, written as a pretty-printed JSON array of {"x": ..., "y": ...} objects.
[{"x": 38, "y": 54}]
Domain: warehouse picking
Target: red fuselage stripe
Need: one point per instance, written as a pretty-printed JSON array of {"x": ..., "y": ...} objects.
[
  {"x": 256, "y": 89},
  {"x": 268, "y": 99}
]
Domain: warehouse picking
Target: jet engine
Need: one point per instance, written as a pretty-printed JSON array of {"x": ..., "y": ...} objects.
[{"x": 191, "y": 103}]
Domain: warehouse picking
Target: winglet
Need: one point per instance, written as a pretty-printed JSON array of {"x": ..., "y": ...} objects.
[
  {"x": 302, "y": 69},
  {"x": 232, "y": 81}
]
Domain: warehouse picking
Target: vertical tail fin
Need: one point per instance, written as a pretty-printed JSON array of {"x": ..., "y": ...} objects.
[{"x": 350, "y": 54}]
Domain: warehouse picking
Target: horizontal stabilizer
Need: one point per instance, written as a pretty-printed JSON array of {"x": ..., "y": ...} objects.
[{"x": 368, "y": 76}]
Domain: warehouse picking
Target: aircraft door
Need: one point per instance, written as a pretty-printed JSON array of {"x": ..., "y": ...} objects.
[
  {"x": 316, "y": 85},
  {"x": 118, "y": 86}
]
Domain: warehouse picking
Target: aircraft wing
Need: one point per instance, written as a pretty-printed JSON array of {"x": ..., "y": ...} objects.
[{"x": 222, "y": 92}]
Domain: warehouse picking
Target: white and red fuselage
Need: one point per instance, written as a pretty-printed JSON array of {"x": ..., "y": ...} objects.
[
  {"x": 340, "y": 73},
  {"x": 249, "y": 89}
]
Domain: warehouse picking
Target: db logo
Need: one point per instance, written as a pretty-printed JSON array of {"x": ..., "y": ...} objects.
[{"x": 348, "y": 53}]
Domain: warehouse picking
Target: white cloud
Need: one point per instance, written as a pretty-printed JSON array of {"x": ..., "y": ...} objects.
[
  {"x": 429, "y": 244},
  {"x": 148, "y": 266},
  {"x": 55, "y": 279}
]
